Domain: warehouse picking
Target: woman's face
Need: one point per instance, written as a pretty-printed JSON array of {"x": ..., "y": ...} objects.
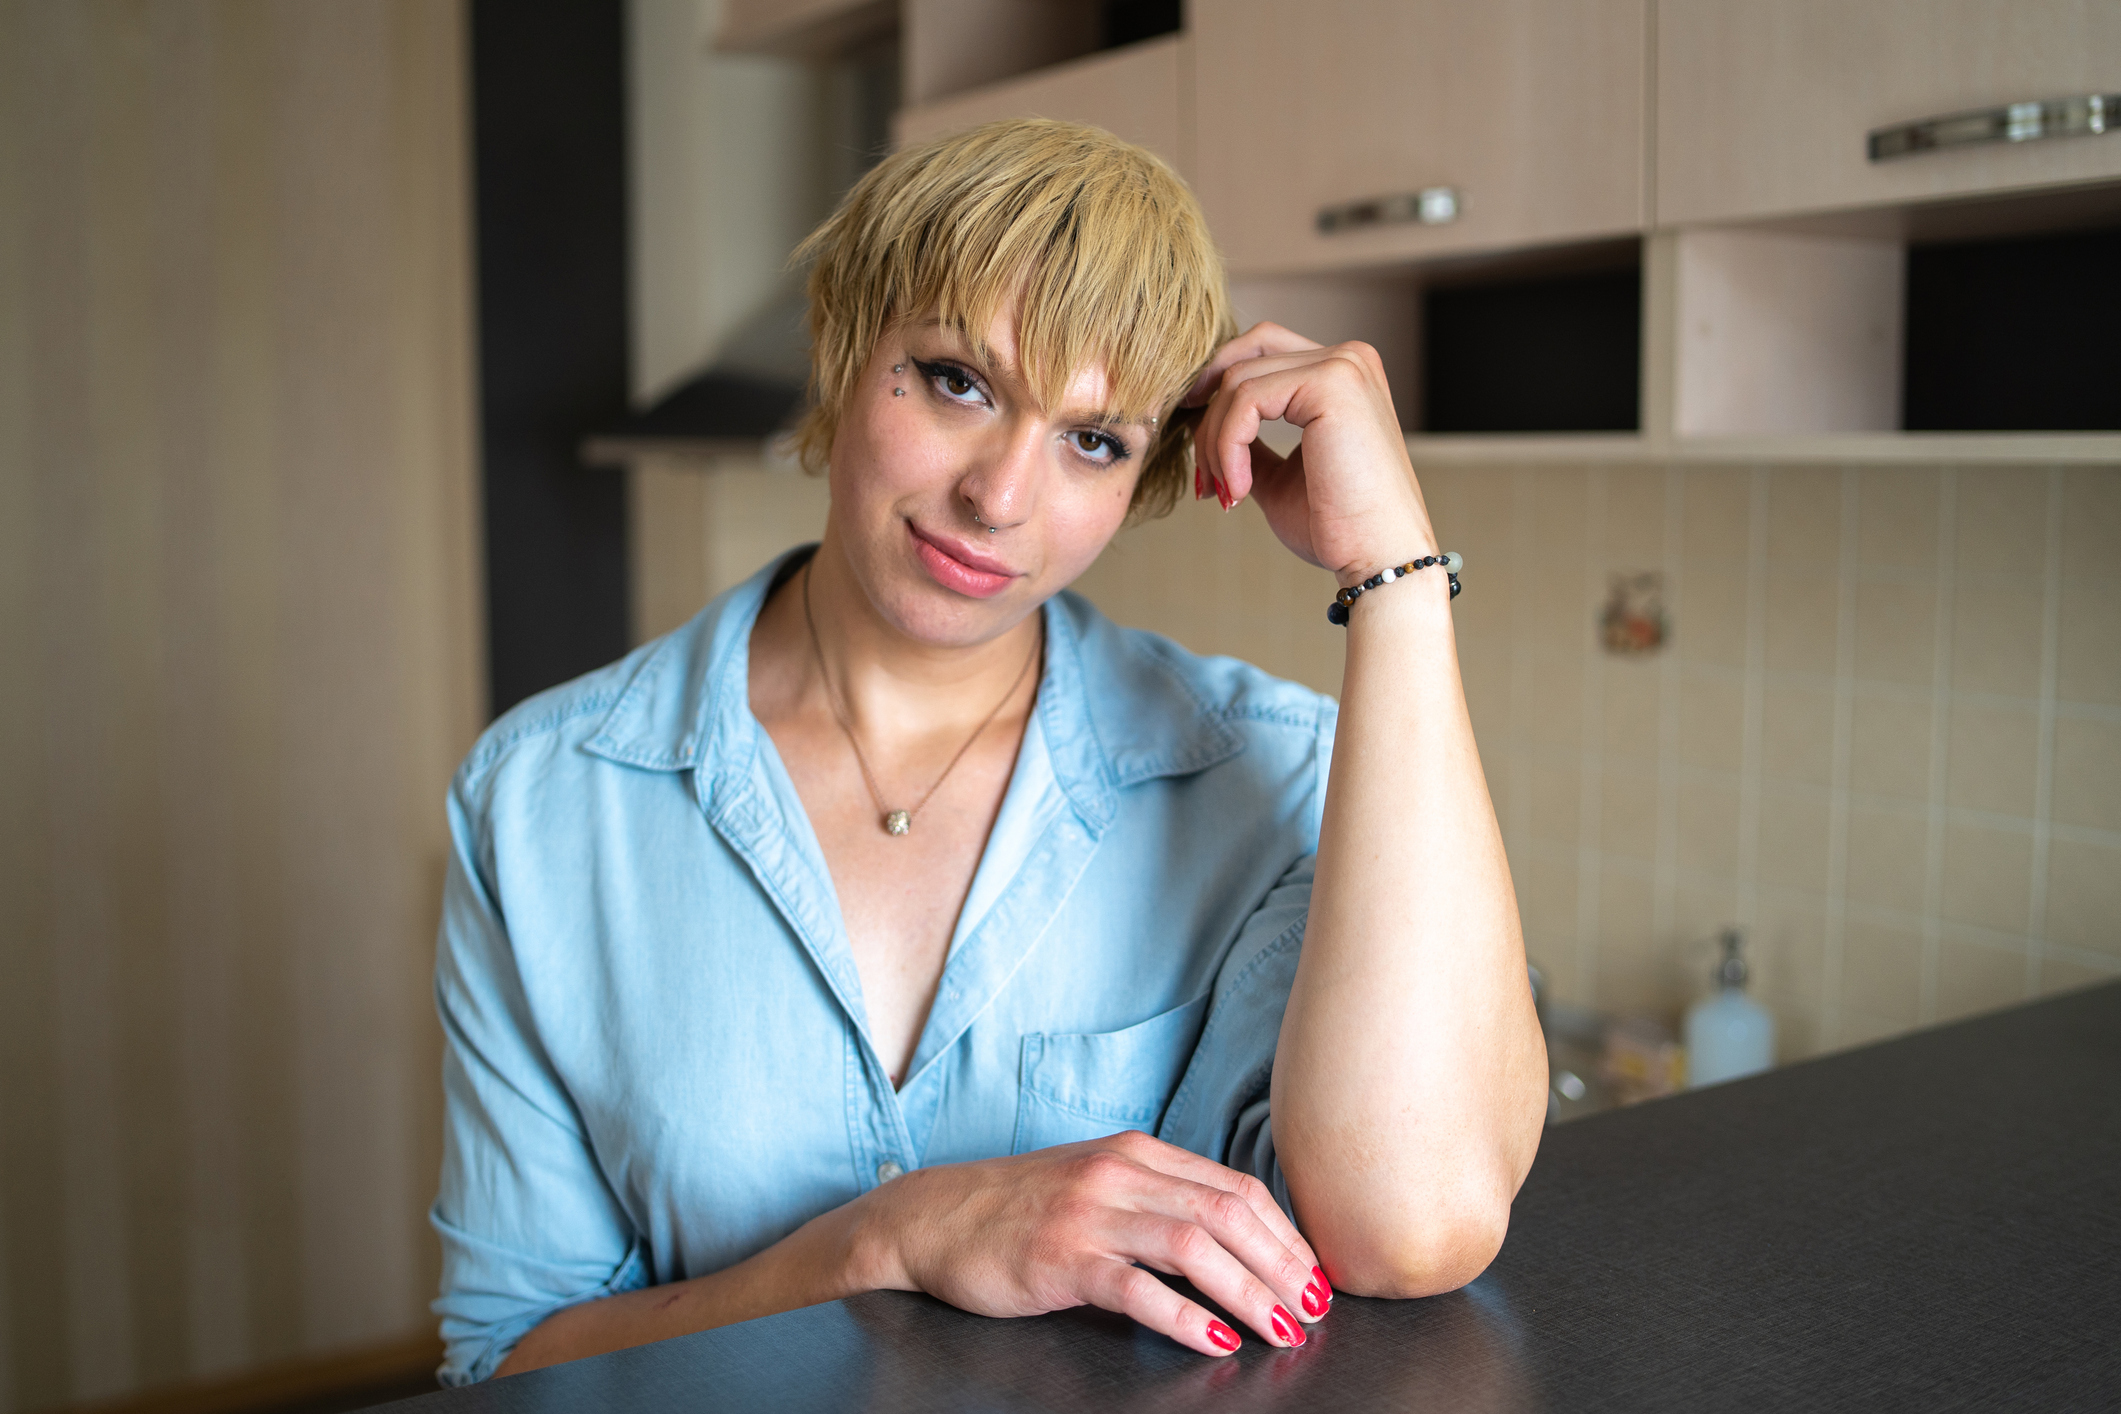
[{"x": 917, "y": 477}]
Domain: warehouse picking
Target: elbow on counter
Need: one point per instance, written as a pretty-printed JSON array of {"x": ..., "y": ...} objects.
[
  {"x": 1406, "y": 1222},
  {"x": 1401, "y": 1250},
  {"x": 1405, "y": 1219}
]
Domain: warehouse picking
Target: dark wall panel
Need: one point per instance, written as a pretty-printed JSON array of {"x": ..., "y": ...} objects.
[{"x": 549, "y": 141}]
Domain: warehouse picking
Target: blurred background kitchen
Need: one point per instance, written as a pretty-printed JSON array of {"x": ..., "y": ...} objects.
[{"x": 368, "y": 365}]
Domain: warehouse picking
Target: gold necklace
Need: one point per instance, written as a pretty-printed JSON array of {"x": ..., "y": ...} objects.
[{"x": 899, "y": 822}]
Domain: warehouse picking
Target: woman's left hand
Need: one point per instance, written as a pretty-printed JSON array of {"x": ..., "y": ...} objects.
[{"x": 1346, "y": 499}]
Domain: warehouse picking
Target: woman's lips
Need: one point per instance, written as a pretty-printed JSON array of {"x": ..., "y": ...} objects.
[{"x": 955, "y": 566}]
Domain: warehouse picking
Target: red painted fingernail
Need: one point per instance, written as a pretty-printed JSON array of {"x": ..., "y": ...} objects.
[
  {"x": 1286, "y": 1328},
  {"x": 1223, "y": 1336},
  {"x": 1199, "y": 490},
  {"x": 1314, "y": 1301},
  {"x": 1319, "y": 1274}
]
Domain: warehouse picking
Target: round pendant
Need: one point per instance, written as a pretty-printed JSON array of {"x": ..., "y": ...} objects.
[{"x": 898, "y": 822}]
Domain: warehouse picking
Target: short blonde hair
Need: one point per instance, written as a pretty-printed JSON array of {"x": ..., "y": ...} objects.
[{"x": 1099, "y": 239}]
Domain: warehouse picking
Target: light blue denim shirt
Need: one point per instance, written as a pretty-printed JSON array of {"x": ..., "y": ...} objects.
[{"x": 657, "y": 1059}]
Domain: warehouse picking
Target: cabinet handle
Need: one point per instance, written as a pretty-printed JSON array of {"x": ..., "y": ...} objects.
[
  {"x": 1431, "y": 206},
  {"x": 2013, "y": 122}
]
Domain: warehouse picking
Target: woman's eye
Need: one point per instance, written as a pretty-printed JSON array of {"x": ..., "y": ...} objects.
[
  {"x": 1097, "y": 446},
  {"x": 954, "y": 383}
]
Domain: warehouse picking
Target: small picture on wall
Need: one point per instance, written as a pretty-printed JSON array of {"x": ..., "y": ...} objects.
[{"x": 1634, "y": 621}]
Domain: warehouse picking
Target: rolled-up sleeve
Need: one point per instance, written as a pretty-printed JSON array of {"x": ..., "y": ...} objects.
[
  {"x": 1220, "y": 1109},
  {"x": 527, "y": 1222}
]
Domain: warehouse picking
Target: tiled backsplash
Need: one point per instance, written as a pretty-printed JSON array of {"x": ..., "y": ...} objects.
[{"x": 1884, "y": 735}]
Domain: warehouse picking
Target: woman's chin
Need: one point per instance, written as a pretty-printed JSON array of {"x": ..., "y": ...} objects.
[
  {"x": 936, "y": 617},
  {"x": 930, "y": 604}
]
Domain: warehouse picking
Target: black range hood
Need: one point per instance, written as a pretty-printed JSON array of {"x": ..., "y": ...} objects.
[{"x": 752, "y": 391}]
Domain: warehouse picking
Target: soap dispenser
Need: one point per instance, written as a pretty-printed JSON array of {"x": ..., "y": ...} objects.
[{"x": 1728, "y": 1034}]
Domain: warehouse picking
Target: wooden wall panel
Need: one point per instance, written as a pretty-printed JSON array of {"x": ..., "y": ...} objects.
[{"x": 237, "y": 591}]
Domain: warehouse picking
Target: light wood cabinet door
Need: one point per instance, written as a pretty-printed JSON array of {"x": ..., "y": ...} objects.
[
  {"x": 1133, "y": 92},
  {"x": 1532, "y": 110},
  {"x": 1764, "y": 106}
]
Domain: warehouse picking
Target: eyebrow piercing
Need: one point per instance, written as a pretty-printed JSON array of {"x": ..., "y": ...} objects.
[{"x": 898, "y": 368}]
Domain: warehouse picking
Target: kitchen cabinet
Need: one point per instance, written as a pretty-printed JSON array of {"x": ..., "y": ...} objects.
[
  {"x": 1733, "y": 136},
  {"x": 1135, "y": 92},
  {"x": 1763, "y": 109},
  {"x": 1778, "y": 334},
  {"x": 1530, "y": 111},
  {"x": 948, "y": 47}
]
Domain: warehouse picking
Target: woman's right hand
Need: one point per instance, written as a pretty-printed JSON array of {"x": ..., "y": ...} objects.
[{"x": 1066, "y": 1227}]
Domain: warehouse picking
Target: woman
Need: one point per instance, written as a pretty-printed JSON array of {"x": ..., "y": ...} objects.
[{"x": 900, "y": 922}]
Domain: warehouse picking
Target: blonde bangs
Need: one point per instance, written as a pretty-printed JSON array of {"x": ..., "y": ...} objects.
[{"x": 1100, "y": 244}]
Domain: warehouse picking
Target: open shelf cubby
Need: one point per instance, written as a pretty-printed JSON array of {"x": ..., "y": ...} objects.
[
  {"x": 1543, "y": 341},
  {"x": 1977, "y": 330},
  {"x": 2013, "y": 335}
]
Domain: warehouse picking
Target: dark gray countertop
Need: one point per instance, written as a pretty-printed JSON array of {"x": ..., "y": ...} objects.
[{"x": 1930, "y": 1223}]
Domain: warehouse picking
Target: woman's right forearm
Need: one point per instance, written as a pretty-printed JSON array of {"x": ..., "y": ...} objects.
[
  {"x": 1017, "y": 1236},
  {"x": 825, "y": 1259}
]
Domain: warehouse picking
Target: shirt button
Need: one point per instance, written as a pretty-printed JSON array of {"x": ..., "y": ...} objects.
[{"x": 888, "y": 1170}]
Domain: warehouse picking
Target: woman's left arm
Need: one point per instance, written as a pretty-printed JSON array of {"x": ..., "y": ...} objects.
[{"x": 1410, "y": 1078}]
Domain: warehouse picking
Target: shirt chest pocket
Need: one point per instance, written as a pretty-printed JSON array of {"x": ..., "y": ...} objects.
[{"x": 1088, "y": 1086}]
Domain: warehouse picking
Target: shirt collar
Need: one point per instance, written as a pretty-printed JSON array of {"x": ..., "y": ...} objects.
[{"x": 1114, "y": 705}]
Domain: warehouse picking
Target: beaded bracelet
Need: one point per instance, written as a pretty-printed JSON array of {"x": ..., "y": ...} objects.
[{"x": 1337, "y": 611}]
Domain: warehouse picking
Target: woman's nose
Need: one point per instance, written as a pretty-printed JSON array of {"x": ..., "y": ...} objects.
[{"x": 1002, "y": 489}]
